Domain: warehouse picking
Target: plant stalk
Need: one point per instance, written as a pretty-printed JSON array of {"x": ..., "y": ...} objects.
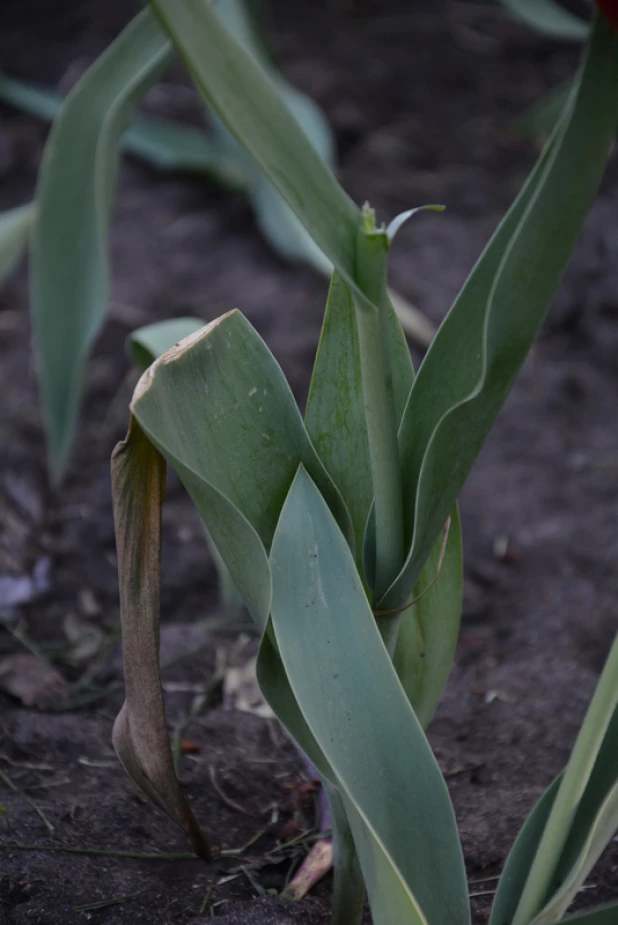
[
  {"x": 372, "y": 252},
  {"x": 348, "y": 882}
]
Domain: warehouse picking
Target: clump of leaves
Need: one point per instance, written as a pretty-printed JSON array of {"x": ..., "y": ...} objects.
[
  {"x": 68, "y": 225},
  {"x": 341, "y": 531}
]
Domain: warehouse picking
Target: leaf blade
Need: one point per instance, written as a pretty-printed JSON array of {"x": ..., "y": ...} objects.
[
  {"x": 494, "y": 320},
  {"x": 15, "y": 228},
  {"x": 243, "y": 95},
  {"x": 69, "y": 261},
  {"x": 325, "y": 631},
  {"x": 428, "y": 631},
  {"x": 226, "y": 377}
]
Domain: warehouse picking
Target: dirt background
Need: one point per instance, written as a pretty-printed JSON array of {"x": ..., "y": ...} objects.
[{"x": 422, "y": 99}]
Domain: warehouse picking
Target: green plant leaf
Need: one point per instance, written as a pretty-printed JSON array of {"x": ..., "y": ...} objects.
[
  {"x": 166, "y": 145},
  {"x": 140, "y": 734},
  {"x": 348, "y": 883},
  {"x": 604, "y": 915},
  {"x": 220, "y": 411},
  {"x": 146, "y": 344},
  {"x": 249, "y": 104},
  {"x": 15, "y": 226},
  {"x": 541, "y": 118},
  {"x": 549, "y": 17},
  {"x": 335, "y": 415},
  {"x": 602, "y": 830},
  {"x": 346, "y": 687},
  {"x": 476, "y": 355},
  {"x": 520, "y": 859},
  {"x": 591, "y": 825},
  {"x": 278, "y": 223},
  {"x": 584, "y": 815},
  {"x": 428, "y": 631},
  {"x": 69, "y": 248}
]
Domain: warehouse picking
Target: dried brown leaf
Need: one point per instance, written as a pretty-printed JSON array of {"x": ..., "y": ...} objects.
[
  {"x": 32, "y": 681},
  {"x": 140, "y": 734}
]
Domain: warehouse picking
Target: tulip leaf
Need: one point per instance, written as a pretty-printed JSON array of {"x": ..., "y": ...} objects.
[
  {"x": 140, "y": 734},
  {"x": 549, "y": 17},
  {"x": 144, "y": 345},
  {"x": 601, "y": 832},
  {"x": 428, "y": 631},
  {"x": 604, "y": 915},
  {"x": 584, "y": 815},
  {"x": 520, "y": 859},
  {"x": 593, "y": 814},
  {"x": 69, "y": 247},
  {"x": 350, "y": 696},
  {"x": 248, "y": 102},
  {"x": 147, "y": 343},
  {"x": 220, "y": 411},
  {"x": 15, "y": 226},
  {"x": 335, "y": 415},
  {"x": 476, "y": 355}
]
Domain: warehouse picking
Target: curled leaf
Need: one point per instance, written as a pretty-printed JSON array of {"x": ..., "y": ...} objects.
[{"x": 140, "y": 734}]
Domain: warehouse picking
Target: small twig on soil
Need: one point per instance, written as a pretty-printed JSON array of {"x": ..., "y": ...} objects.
[
  {"x": 259, "y": 889},
  {"x": 484, "y": 879},
  {"x": 9, "y": 783},
  {"x": 48, "y": 785},
  {"x": 228, "y": 802},
  {"x": 483, "y": 893},
  {"x": 26, "y": 765},
  {"x": 100, "y": 853},
  {"x": 209, "y": 891},
  {"x": 103, "y": 903},
  {"x": 237, "y": 852}
]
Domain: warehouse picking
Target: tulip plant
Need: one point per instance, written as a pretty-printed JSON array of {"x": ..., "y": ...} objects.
[{"x": 340, "y": 529}]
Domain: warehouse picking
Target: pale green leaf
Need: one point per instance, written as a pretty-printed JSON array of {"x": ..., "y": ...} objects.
[
  {"x": 250, "y": 105},
  {"x": 69, "y": 249},
  {"x": 520, "y": 859},
  {"x": 428, "y": 631},
  {"x": 540, "y": 119},
  {"x": 166, "y": 145},
  {"x": 348, "y": 884},
  {"x": 476, "y": 355},
  {"x": 584, "y": 814},
  {"x": 602, "y": 830},
  {"x": 604, "y": 915},
  {"x": 335, "y": 415},
  {"x": 220, "y": 411},
  {"x": 549, "y": 17},
  {"x": 275, "y": 686},
  {"x": 145, "y": 344},
  {"x": 15, "y": 226},
  {"x": 356, "y": 709}
]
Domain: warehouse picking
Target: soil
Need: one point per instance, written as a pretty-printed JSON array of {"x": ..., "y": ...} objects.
[{"x": 423, "y": 99}]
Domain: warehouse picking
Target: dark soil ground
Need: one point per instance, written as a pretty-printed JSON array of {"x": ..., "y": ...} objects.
[{"x": 422, "y": 98}]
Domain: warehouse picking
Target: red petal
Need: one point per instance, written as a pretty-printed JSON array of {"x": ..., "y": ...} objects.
[{"x": 609, "y": 8}]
